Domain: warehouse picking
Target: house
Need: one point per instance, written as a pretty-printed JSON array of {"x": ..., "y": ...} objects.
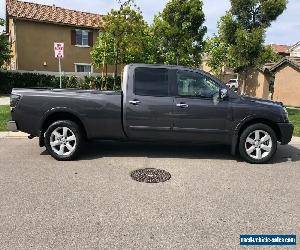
[
  {"x": 226, "y": 75},
  {"x": 258, "y": 82},
  {"x": 33, "y": 29},
  {"x": 287, "y": 81},
  {"x": 280, "y": 49},
  {"x": 295, "y": 50}
]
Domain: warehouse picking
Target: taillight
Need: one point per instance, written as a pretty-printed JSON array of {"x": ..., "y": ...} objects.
[{"x": 14, "y": 99}]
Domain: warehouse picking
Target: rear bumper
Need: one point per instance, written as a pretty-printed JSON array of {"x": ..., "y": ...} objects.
[
  {"x": 286, "y": 131},
  {"x": 12, "y": 126}
]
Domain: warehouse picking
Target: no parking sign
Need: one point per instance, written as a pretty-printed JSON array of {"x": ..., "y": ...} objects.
[
  {"x": 59, "y": 54},
  {"x": 59, "y": 50}
]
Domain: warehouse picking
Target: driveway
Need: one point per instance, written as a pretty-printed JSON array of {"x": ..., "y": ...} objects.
[{"x": 93, "y": 203}]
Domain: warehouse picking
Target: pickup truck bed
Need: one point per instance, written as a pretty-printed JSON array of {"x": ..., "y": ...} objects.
[{"x": 100, "y": 112}]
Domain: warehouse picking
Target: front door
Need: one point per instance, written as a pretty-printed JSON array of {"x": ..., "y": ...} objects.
[
  {"x": 199, "y": 115},
  {"x": 149, "y": 104}
]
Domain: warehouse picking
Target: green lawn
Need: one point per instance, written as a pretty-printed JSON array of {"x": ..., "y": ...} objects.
[
  {"x": 4, "y": 116},
  {"x": 294, "y": 117}
]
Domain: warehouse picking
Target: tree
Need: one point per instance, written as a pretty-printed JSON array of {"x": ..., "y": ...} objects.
[
  {"x": 4, "y": 46},
  {"x": 242, "y": 33},
  {"x": 179, "y": 32},
  {"x": 103, "y": 54},
  {"x": 124, "y": 39},
  {"x": 218, "y": 54}
]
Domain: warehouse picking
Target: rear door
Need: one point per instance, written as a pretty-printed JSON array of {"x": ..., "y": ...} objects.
[{"x": 148, "y": 104}]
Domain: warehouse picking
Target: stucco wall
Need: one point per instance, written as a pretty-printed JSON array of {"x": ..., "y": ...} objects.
[
  {"x": 35, "y": 47},
  {"x": 257, "y": 84},
  {"x": 287, "y": 85}
]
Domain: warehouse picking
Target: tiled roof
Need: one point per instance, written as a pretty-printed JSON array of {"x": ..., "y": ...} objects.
[
  {"x": 51, "y": 14},
  {"x": 267, "y": 66},
  {"x": 278, "y": 48},
  {"x": 295, "y": 61}
]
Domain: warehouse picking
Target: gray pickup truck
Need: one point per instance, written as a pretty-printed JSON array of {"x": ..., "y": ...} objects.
[{"x": 157, "y": 103}]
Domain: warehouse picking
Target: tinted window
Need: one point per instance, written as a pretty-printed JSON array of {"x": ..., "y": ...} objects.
[
  {"x": 151, "y": 82},
  {"x": 195, "y": 84}
]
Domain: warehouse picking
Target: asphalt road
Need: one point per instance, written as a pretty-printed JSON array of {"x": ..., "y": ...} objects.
[{"x": 93, "y": 203}]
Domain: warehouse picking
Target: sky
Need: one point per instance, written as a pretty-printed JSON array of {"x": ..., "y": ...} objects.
[{"x": 285, "y": 30}]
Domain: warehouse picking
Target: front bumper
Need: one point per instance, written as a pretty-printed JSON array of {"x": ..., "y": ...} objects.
[
  {"x": 286, "y": 131},
  {"x": 12, "y": 126}
]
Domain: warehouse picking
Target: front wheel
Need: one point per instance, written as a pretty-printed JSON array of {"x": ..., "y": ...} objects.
[
  {"x": 258, "y": 143},
  {"x": 63, "y": 140}
]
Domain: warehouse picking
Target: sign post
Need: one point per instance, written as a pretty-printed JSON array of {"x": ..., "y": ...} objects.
[{"x": 59, "y": 54}]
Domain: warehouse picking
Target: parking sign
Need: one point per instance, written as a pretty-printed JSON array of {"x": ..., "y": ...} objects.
[{"x": 59, "y": 50}]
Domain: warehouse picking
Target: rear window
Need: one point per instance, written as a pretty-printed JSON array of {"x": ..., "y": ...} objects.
[{"x": 151, "y": 81}]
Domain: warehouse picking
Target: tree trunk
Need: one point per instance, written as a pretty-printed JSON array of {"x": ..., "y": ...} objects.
[
  {"x": 242, "y": 88},
  {"x": 105, "y": 86},
  {"x": 116, "y": 70},
  {"x": 103, "y": 65},
  {"x": 122, "y": 69}
]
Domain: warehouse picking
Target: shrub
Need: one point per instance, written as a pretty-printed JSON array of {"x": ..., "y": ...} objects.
[{"x": 9, "y": 80}]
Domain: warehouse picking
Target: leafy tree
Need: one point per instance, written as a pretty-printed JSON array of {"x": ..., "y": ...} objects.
[
  {"x": 4, "y": 46},
  {"x": 242, "y": 33},
  {"x": 218, "y": 54},
  {"x": 125, "y": 38},
  {"x": 179, "y": 32},
  {"x": 103, "y": 54}
]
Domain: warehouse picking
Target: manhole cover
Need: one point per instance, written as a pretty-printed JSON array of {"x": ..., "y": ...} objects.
[{"x": 150, "y": 175}]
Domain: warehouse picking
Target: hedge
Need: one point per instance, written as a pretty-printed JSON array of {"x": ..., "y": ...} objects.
[{"x": 9, "y": 80}]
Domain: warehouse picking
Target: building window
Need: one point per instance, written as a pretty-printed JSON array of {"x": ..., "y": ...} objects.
[
  {"x": 82, "y": 37},
  {"x": 83, "y": 68}
]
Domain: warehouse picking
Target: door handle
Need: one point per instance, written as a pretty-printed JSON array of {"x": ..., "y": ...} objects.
[
  {"x": 182, "y": 105},
  {"x": 135, "y": 102}
]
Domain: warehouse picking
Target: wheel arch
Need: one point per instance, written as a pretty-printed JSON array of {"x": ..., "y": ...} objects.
[
  {"x": 57, "y": 115},
  {"x": 241, "y": 127}
]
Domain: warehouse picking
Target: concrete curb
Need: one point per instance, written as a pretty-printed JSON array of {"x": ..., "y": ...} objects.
[{"x": 21, "y": 135}]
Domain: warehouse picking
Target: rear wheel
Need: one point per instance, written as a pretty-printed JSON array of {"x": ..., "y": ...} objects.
[
  {"x": 258, "y": 143},
  {"x": 63, "y": 140}
]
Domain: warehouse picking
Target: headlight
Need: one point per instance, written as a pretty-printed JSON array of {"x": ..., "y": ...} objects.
[{"x": 14, "y": 99}]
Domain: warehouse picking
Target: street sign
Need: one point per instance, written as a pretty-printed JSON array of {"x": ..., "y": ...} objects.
[
  {"x": 59, "y": 54},
  {"x": 59, "y": 50}
]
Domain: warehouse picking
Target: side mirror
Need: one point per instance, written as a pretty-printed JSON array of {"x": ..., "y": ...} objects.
[{"x": 223, "y": 93}]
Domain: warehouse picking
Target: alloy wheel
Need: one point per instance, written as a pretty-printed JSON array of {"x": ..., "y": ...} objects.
[
  {"x": 63, "y": 141},
  {"x": 258, "y": 144}
]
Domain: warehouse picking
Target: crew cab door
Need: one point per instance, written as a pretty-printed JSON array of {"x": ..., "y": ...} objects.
[
  {"x": 148, "y": 104},
  {"x": 199, "y": 115}
]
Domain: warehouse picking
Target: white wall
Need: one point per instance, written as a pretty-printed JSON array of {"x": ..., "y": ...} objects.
[{"x": 296, "y": 51}]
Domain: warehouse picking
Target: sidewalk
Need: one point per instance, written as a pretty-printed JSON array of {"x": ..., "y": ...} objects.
[
  {"x": 4, "y": 100},
  {"x": 20, "y": 135}
]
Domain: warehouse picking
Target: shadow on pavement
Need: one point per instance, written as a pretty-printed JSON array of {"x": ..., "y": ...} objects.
[
  {"x": 155, "y": 150},
  {"x": 98, "y": 149}
]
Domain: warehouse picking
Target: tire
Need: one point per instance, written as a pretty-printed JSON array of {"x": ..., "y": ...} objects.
[
  {"x": 258, "y": 143},
  {"x": 63, "y": 140}
]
